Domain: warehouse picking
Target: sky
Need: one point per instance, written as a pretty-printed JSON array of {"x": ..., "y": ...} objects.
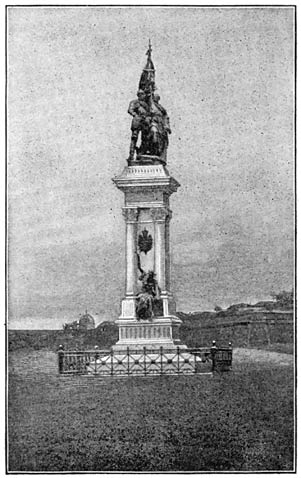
[{"x": 226, "y": 78}]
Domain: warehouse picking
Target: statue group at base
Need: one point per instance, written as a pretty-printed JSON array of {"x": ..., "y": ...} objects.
[
  {"x": 148, "y": 300},
  {"x": 150, "y": 120}
]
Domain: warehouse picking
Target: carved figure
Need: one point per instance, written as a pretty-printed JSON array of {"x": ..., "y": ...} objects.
[
  {"x": 150, "y": 118},
  {"x": 144, "y": 306},
  {"x": 149, "y": 283},
  {"x": 159, "y": 128},
  {"x": 139, "y": 110},
  {"x": 150, "y": 292}
]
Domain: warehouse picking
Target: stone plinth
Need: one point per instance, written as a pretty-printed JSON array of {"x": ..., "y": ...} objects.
[
  {"x": 147, "y": 188},
  {"x": 159, "y": 332}
]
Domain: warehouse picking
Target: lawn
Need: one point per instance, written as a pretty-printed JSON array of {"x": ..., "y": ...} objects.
[{"x": 242, "y": 420}]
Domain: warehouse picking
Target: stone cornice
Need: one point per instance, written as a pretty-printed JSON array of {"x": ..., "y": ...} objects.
[{"x": 137, "y": 178}]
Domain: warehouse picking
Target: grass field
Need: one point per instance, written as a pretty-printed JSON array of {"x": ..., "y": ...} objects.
[{"x": 242, "y": 420}]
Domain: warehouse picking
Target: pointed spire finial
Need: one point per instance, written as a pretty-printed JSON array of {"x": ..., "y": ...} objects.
[
  {"x": 147, "y": 79},
  {"x": 149, "y": 51}
]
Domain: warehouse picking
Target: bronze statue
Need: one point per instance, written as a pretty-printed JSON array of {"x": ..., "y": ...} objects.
[
  {"x": 150, "y": 119},
  {"x": 159, "y": 128},
  {"x": 150, "y": 293},
  {"x": 139, "y": 109}
]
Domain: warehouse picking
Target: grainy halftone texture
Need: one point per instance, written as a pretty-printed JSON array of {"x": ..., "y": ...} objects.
[{"x": 226, "y": 78}]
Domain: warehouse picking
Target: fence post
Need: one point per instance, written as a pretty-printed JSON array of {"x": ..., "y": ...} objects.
[
  {"x": 213, "y": 352},
  {"x": 161, "y": 360},
  {"x": 61, "y": 359},
  {"x": 112, "y": 364},
  {"x": 178, "y": 353},
  {"x": 128, "y": 356},
  {"x": 144, "y": 354},
  {"x": 230, "y": 347},
  {"x": 96, "y": 356}
]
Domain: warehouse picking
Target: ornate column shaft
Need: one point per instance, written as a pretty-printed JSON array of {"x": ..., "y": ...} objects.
[
  {"x": 167, "y": 248},
  {"x": 131, "y": 216},
  {"x": 159, "y": 216}
]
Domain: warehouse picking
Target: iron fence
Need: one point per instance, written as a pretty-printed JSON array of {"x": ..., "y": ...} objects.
[{"x": 145, "y": 361}]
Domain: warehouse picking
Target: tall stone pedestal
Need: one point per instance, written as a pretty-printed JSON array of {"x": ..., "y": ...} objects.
[{"x": 147, "y": 189}]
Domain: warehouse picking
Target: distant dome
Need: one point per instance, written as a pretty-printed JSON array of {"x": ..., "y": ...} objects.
[{"x": 87, "y": 321}]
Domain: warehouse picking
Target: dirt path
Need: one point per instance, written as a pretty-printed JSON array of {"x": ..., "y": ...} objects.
[{"x": 241, "y": 355}]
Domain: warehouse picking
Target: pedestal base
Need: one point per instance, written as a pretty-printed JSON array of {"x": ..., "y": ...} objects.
[{"x": 152, "y": 334}]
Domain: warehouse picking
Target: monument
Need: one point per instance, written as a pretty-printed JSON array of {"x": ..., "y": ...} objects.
[
  {"x": 148, "y": 308},
  {"x": 148, "y": 327}
]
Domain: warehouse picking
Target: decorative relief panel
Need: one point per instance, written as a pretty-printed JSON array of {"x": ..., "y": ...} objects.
[{"x": 145, "y": 241}]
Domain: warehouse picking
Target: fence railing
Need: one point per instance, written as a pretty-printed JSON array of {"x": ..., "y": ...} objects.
[{"x": 145, "y": 361}]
